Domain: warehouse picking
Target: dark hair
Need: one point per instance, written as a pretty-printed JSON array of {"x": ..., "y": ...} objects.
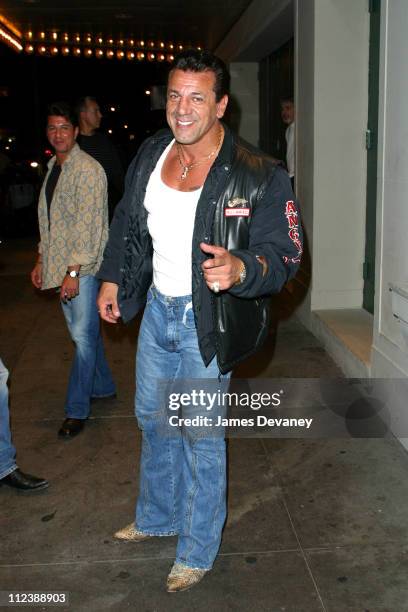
[
  {"x": 203, "y": 61},
  {"x": 62, "y": 109},
  {"x": 82, "y": 102},
  {"x": 287, "y": 98}
]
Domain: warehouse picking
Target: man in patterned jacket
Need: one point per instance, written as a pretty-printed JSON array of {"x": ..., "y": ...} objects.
[{"x": 73, "y": 222}]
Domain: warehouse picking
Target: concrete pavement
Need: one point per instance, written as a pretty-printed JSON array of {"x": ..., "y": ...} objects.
[{"x": 313, "y": 525}]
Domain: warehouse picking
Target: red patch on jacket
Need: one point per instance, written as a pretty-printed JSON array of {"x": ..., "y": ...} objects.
[
  {"x": 292, "y": 217},
  {"x": 236, "y": 212}
]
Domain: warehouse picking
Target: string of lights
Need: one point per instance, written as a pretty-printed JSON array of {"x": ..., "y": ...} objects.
[
  {"x": 51, "y": 43},
  {"x": 54, "y": 43}
]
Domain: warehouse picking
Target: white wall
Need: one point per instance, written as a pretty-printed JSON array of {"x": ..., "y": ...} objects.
[
  {"x": 335, "y": 153},
  {"x": 390, "y": 355},
  {"x": 341, "y": 102},
  {"x": 332, "y": 47},
  {"x": 245, "y": 93}
]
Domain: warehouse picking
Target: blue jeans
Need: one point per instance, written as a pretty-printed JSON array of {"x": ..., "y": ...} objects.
[
  {"x": 90, "y": 374},
  {"x": 182, "y": 478},
  {"x": 7, "y": 450}
]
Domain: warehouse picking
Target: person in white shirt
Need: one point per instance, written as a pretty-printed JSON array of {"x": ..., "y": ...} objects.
[
  {"x": 207, "y": 227},
  {"x": 288, "y": 118}
]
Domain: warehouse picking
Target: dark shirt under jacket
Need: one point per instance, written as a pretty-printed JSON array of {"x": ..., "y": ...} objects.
[
  {"x": 101, "y": 148},
  {"x": 50, "y": 187}
]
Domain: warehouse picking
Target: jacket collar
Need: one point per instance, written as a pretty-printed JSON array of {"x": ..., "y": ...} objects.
[
  {"x": 70, "y": 157},
  {"x": 226, "y": 152}
]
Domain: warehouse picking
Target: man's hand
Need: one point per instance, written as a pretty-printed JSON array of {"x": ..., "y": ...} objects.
[
  {"x": 36, "y": 275},
  {"x": 108, "y": 302},
  {"x": 222, "y": 268},
  {"x": 69, "y": 288}
]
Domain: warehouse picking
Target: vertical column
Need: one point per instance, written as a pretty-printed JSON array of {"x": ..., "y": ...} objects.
[{"x": 332, "y": 98}]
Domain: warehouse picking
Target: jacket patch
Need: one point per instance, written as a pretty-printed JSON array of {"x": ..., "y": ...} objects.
[
  {"x": 237, "y": 202},
  {"x": 236, "y": 212},
  {"x": 292, "y": 217}
]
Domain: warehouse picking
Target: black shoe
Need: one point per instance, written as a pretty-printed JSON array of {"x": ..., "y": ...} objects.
[
  {"x": 24, "y": 482},
  {"x": 103, "y": 398},
  {"x": 71, "y": 428}
]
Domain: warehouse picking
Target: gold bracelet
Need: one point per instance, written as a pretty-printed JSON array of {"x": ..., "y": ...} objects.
[{"x": 242, "y": 274}]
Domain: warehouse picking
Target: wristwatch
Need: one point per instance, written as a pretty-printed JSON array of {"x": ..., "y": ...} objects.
[{"x": 72, "y": 273}]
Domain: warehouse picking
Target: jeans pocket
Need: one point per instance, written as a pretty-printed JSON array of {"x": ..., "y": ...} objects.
[{"x": 188, "y": 316}]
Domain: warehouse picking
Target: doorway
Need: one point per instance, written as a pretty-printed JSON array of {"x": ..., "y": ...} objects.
[{"x": 372, "y": 154}]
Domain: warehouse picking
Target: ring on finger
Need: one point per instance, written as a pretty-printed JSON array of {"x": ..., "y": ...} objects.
[{"x": 215, "y": 286}]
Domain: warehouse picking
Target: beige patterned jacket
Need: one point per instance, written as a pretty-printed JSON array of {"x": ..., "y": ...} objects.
[{"x": 79, "y": 218}]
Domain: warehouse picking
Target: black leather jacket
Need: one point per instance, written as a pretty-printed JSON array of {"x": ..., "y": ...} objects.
[{"x": 247, "y": 206}]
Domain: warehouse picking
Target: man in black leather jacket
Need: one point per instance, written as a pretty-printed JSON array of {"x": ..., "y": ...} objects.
[{"x": 206, "y": 231}]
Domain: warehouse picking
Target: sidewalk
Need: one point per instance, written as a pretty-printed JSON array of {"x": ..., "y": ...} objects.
[{"x": 313, "y": 525}]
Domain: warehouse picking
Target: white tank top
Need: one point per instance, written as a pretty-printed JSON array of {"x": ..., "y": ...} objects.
[{"x": 170, "y": 221}]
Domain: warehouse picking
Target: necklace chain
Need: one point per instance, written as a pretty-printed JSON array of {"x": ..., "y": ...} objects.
[{"x": 187, "y": 167}]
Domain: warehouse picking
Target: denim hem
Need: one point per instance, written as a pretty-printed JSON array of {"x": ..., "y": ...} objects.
[
  {"x": 206, "y": 569},
  {"x": 74, "y": 416},
  {"x": 8, "y": 472}
]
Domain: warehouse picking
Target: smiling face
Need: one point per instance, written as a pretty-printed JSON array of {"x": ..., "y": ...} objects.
[
  {"x": 192, "y": 109},
  {"x": 61, "y": 135}
]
